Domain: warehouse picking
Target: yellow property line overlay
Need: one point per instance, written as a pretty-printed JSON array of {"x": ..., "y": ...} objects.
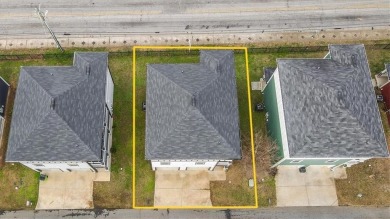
[{"x": 250, "y": 124}]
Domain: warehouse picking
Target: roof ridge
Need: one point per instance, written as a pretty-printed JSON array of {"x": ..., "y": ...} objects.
[
  {"x": 84, "y": 78},
  {"x": 177, "y": 85},
  {"x": 171, "y": 130},
  {"x": 70, "y": 128},
  {"x": 224, "y": 54},
  {"x": 62, "y": 94},
  {"x": 65, "y": 90},
  {"x": 342, "y": 108},
  {"x": 39, "y": 85},
  {"x": 66, "y": 125},
  {"x": 207, "y": 121},
  {"x": 206, "y": 85},
  {"x": 211, "y": 81},
  {"x": 80, "y": 55},
  {"x": 41, "y": 118},
  {"x": 201, "y": 114},
  {"x": 314, "y": 78},
  {"x": 74, "y": 85},
  {"x": 317, "y": 128}
]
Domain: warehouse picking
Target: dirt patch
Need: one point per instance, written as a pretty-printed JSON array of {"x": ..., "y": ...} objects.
[
  {"x": 237, "y": 177},
  {"x": 367, "y": 184},
  {"x": 265, "y": 153},
  {"x": 113, "y": 194}
]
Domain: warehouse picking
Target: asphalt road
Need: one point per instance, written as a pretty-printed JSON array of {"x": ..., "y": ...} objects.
[
  {"x": 94, "y": 18},
  {"x": 268, "y": 213}
]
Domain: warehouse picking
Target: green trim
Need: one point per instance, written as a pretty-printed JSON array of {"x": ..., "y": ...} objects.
[{"x": 308, "y": 162}]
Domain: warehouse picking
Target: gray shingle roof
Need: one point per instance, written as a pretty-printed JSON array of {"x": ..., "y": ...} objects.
[
  {"x": 192, "y": 109},
  {"x": 387, "y": 66},
  {"x": 267, "y": 73},
  {"x": 58, "y": 112},
  {"x": 330, "y": 107}
]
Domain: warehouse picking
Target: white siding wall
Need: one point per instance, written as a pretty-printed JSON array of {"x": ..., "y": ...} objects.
[
  {"x": 2, "y": 121},
  {"x": 283, "y": 129},
  {"x": 60, "y": 166},
  {"x": 183, "y": 165},
  {"x": 109, "y": 92}
]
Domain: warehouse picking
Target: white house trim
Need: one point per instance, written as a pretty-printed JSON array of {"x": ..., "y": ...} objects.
[
  {"x": 266, "y": 83},
  {"x": 4, "y": 81},
  {"x": 279, "y": 162},
  {"x": 109, "y": 91},
  {"x": 62, "y": 166},
  {"x": 328, "y": 158},
  {"x": 352, "y": 160},
  {"x": 189, "y": 164},
  {"x": 283, "y": 129}
]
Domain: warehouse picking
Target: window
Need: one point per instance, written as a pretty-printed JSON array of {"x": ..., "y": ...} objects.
[
  {"x": 165, "y": 163},
  {"x": 331, "y": 161},
  {"x": 73, "y": 164},
  {"x": 39, "y": 165},
  {"x": 296, "y": 161},
  {"x": 200, "y": 163}
]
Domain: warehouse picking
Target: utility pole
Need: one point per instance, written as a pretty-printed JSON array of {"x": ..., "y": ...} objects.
[{"x": 42, "y": 17}]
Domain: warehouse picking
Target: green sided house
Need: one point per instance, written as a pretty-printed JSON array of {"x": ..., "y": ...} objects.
[{"x": 324, "y": 111}]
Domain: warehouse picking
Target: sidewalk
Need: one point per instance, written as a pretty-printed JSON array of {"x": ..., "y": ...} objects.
[{"x": 193, "y": 39}]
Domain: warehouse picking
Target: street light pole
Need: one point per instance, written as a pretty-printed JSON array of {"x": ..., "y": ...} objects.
[{"x": 42, "y": 16}]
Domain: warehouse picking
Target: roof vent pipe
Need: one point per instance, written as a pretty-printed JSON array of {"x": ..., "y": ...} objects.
[
  {"x": 193, "y": 100},
  {"x": 52, "y": 103},
  {"x": 88, "y": 69}
]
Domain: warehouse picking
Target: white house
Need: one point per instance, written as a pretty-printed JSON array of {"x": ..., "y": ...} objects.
[
  {"x": 192, "y": 119},
  {"x": 62, "y": 116}
]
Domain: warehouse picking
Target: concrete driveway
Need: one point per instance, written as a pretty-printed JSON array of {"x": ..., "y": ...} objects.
[
  {"x": 68, "y": 190},
  {"x": 184, "y": 188},
  {"x": 316, "y": 187}
]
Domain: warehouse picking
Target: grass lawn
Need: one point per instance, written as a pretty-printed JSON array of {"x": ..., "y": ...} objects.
[
  {"x": 117, "y": 193},
  {"x": 26, "y": 180},
  {"x": 371, "y": 179}
]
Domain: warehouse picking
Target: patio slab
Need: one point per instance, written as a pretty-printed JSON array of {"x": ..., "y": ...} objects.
[
  {"x": 167, "y": 197},
  {"x": 318, "y": 176},
  {"x": 292, "y": 196},
  {"x": 196, "y": 180},
  {"x": 67, "y": 190},
  {"x": 340, "y": 173},
  {"x": 290, "y": 176},
  {"x": 322, "y": 196},
  {"x": 182, "y": 188},
  {"x": 196, "y": 197}
]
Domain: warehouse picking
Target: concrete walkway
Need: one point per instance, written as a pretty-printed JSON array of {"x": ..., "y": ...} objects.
[
  {"x": 184, "y": 188},
  {"x": 316, "y": 187},
  {"x": 68, "y": 190}
]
